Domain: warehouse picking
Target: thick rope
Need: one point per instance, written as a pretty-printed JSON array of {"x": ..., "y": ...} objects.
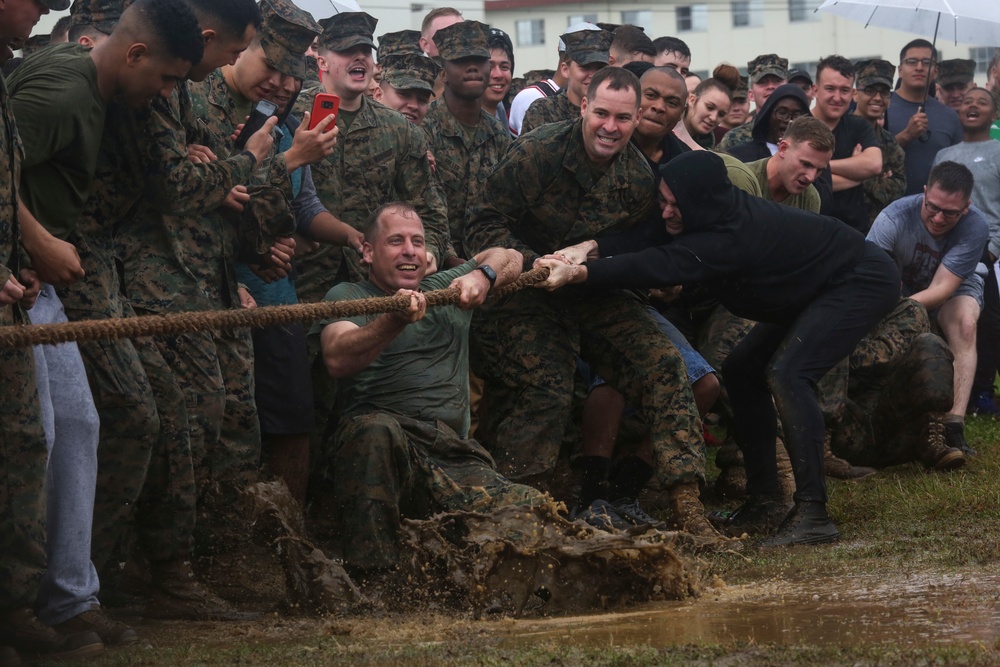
[{"x": 254, "y": 318}]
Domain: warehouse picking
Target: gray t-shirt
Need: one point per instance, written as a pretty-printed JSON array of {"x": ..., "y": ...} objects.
[
  {"x": 983, "y": 160},
  {"x": 945, "y": 130},
  {"x": 900, "y": 231}
]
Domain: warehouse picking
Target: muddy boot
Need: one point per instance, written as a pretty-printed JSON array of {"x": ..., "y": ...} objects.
[
  {"x": 111, "y": 632},
  {"x": 732, "y": 480},
  {"x": 807, "y": 523},
  {"x": 839, "y": 468},
  {"x": 688, "y": 512},
  {"x": 177, "y": 595},
  {"x": 759, "y": 514},
  {"x": 936, "y": 454},
  {"x": 21, "y": 630}
]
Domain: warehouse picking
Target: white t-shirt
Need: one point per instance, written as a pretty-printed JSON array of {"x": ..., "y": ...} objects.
[{"x": 520, "y": 105}]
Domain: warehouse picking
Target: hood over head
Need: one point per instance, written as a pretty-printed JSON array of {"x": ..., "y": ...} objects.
[
  {"x": 762, "y": 121},
  {"x": 700, "y": 182}
]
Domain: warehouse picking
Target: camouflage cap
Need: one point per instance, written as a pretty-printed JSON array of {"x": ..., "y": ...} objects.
[
  {"x": 577, "y": 27},
  {"x": 588, "y": 46},
  {"x": 956, "y": 70},
  {"x": 403, "y": 42},
  {"x": 875, "y": 72},
  {"x": 286, "y": 35},
  {"x": 539, "y": 74},
  {"x": 610, "y": 27},
  {"x": 101, "y": 15},
  {"x": 465, "y": 39},
  {"x": 764, "y": 65},
  {"x": 741, "y": 92},
  {"x": 348, "y": 29},
  {"x": 56, "y": 5},
  {"x": 410, "y": 71}
]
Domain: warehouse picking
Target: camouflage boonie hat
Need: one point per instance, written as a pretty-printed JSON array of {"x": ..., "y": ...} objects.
[
  {"x": 741, "y": 92},
  {"x": 347, "y": 29},
  {"x": 401, "y": 43},
  {"x": 956, "y": 70},
  {"x": 588, "y": 46},
  {"x": 286, "y": 35},
  {"x": 102, "y": 15},
  {"x": 465, "y": 39},
  {"x": 764, "y": 65},
  {"x": 875, "y": 72},
  {"x": 410, "y": 72}
]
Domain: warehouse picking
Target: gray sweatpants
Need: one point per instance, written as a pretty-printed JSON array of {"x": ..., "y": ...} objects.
[{"x": 70, "y": 585}]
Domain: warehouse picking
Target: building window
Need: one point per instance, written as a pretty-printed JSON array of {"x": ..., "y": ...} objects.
[
  {"x": 802, "y": 10},
  {"x": 530, "y": 32},
  {"x": 641, "y": 17},
  {"x": 983, "y": 55},
  {"x": 748, "y": 13},
  {"x": 573, "y": 19},
  {"x": 692, "y": 18}
]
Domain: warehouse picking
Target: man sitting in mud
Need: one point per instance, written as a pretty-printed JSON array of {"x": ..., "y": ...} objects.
[{"x": 401, "y": 447}]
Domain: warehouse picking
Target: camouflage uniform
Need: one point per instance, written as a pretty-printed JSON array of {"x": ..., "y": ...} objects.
[
  {"x": 545, "y": 195},
  {"x": 382, "y": 157},
  {"x": 583, "y": 47},
  {"x": 890, "y": 185},
  {"x": 23, "y": 449},
  {"x": 400, "y": 43},
  {"x": 463, "y": 163},
  {"x": 757, "y": 69}
]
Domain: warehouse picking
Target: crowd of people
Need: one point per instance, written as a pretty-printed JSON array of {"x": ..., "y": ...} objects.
[{"x": 819, "y": 273}]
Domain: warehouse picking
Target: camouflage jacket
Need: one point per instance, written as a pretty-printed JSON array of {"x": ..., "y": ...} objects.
[
  {"x": 735, "y": 137},
  {"x": 553, "y": 109},
  {"x": 10, "y": 170},
  {"x": 546, "y": 194},
  {"x": 381, "y": 158},
  {"x": 462, "y": 166},
  {"x": 887, "y": 187}
]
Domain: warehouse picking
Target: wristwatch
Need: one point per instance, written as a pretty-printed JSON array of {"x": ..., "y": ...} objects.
[{"x": 490, "y": 274}]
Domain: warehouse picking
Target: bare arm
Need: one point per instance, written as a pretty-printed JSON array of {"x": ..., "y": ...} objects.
[
  {"x": 475, "y": 286},
  {"x": 942, "y": 287},
  {"x": 349, "y": 349},
  {"x": 56, "y": 261},
  {"x": 866, "y": 164}
]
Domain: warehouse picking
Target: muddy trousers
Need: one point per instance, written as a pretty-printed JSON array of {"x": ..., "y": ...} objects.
[
  {"x": 387, "y": 467},
  {"x": 23, "y": 454},
  {"x": 70, "y": 584},
  {"x": 777, "y": 366}
]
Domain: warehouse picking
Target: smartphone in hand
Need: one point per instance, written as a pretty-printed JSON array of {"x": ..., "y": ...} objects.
[
  {"x": 261, "y": 112},
  {"x": 324, "y": 105}
]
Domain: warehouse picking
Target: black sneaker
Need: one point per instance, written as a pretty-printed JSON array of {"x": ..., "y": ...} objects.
[
  {"x": 954, "y": 436},
  {"x": 759, "y": 514},
  {"x": 21, "y": 630},
  {"x": 807, "y": 523},
  {"x": 602, "y": 515},
  {"x": 630, "y": 510}
]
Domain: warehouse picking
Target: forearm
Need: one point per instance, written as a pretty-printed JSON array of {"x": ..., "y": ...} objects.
[
  {"x": 859, "y": 167},
  {"x": 841, "y": 183},
  {"x": 505, "y": 262},
  {"x": 326, "y": 228},
  {"x": 350, "y": 352},
  {"x": 33, "y": 233},
  {"x": 932, "y": 297}
]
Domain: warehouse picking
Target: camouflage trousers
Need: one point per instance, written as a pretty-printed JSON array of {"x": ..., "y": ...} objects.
[
  {"x": 235, "y": 459},
  {"x": 526, "y": 350},
  {"x": 23, "y": 454},
  {"x": 387, "y": 467},
  {"x": 899, "y": 375}
]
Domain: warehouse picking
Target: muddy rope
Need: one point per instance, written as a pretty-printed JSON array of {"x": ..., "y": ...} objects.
[{"x": 254, "y": 318}]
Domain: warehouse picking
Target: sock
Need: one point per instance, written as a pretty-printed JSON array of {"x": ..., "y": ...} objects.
[
  {"x": 633, "y": 473},
  {"x": 952, "y": 418},
  {"x": 595, "y": 477}
]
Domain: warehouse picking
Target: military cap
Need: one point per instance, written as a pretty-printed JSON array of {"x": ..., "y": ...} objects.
[
  {"x": 610, "y": 27},
  {"x": 56, "y": 5},
  {"x": 102, "y": 15},
  {"x": 348, "y": 29},
  {"x": 794, "y": 74},
  {"x": 875, "y": 72},
  {"x": 400, "y": 43},
  {"x": 410, "y": 71},
  {"x": 588, "y": 46},
  {"x": 956, "y": 70},
  {"x": 741, "y": 90},
  {"x": 764, "y": 65},
  {"x": 577, "y": 27},
  {"x": 465, "y": 39},
  {"x": 539, "y": 74},
  {"x": 34, "y": 43},
  {"x": 285, "y": 35}
]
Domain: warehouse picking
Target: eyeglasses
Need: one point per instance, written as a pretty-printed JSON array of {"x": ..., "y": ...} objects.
[
  {"x": 947, "y": 214},
  {"x": 785, "y": 114},
  {"x": 913, "y": 62},
  {"x": 877, "y": 91}
]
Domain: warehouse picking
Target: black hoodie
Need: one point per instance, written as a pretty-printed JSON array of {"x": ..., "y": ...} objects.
[
  {"x": 757, "y": 148},
  {"x": 761, "y": 260}
]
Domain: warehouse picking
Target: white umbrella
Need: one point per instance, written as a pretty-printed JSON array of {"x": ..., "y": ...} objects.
[
  {"x": 322, "y": 9},
  {"x": 967, "y": 21}
]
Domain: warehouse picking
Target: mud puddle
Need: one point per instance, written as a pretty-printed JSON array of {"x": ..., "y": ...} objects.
[{"x": 918, "y": 610}]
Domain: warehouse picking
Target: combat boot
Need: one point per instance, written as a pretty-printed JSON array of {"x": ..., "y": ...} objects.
[
  {"x": 111, "y": 632},
  {"x": 839, "y": 468},
  {"x": 954, "y": 436},
  {"x": 732, "y": 480},
  {"x": 689, "y": 513},
  {"x": 21, "y": 630},
  {"x": 177, "y": 595},
  {"x": 936, "y": 454},
  {"x": 807, "y": 523}
]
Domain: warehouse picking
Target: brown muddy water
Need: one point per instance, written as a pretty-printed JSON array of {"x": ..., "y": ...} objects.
[{"x": 917, "y": 610}]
